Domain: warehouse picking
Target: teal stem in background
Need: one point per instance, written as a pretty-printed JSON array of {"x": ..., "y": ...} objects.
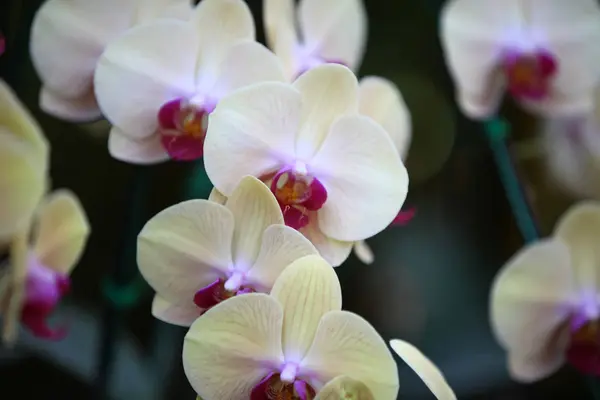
[
  {"x": 197, "y": 184},
  {"x": 497, "y": 132}
]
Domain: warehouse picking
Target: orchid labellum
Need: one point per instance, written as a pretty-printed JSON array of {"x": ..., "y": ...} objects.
[
  {"x": 198, "y": 253},
  {"x": 38, "y": 273},
  {"x": 544, "y": 302},
  {"x": 295, "y": 343},
  {"x": 68, "y": 37},
  {"x": 158, "y": 83},
  {"x": 336, "y": 174},
  {"x": 316, "y": 32},
  {"x": 532, "y": 49}
]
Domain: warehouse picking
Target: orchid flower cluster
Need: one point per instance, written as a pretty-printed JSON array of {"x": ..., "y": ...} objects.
[{"x": 45, "y": 234}]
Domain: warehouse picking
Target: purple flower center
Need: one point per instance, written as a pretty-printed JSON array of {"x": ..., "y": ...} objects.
[
  {"x": 529, "y": 74},
  {"x": 584, "y": 348},
  {"x": 297, "y": 195},
  {"x": 43, "y": 290},
  {"x": 182, "y": 128},
  {"x": 272, "y": 387}
]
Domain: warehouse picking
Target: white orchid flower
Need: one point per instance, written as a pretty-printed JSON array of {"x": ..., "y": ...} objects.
[
  {"x": 24, "y": 154},
  {"x": 424, "y": 368},
  {"x": 544, "y": 301},
  {"x": 38, "y": 273},
  {"x": 543, "y": 52},
  {"x": 67, "y": 39},
  {"x": 316, "y": 32},
  {"x": 158, "y": 82},
  {"x": 288, "y": 344},
  {"x": 381, "y": 100},
  {"x": 198, "y": 253},
  {"x": 336, "y": 174}
]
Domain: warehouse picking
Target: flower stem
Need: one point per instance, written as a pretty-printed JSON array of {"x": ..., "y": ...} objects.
[{"x": 497, "y": 131}]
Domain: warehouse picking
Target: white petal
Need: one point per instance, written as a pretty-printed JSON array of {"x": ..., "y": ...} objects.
[
  {"x": 381, "y": 100},
  {"x": 230, "y": 349},
  {"x": 346, "y": 344},
  {"x": 251, "y": 132},
  {"x": 148, "y": 10},
  {"x": 143, "y": 151},
  {"x": 363, "y": 252},
  {"x": 361, "y": 202},
  {"x": 471, "y": 33},
  {"x": 334, "y": 251},
  {"x": 76, "y": 109},
  {"x": 427, "y": 371},
  {"x": 254, "y": 209},
  {"x": 328, "y": 92},
  {"x": 336, "y": 29},
  {"x": 307, "y": 289},
  {"x": 181, "y": 315},
  {"x": 259, "y": 65},
  {"x": 143, "y": 69},
  {"x": 62, "y": 231},
  {"x": 220, "y": 24},
  {"x": 579, "y": 229},
  {"x": 281, "y": 245},
  {"x": 343, "y": 387},
  {"x": 529, "y": 368},
  {"x": 280, "y": 30},
  {"x": 531, "y": 298},
  {"x": 184, "y": 248}
]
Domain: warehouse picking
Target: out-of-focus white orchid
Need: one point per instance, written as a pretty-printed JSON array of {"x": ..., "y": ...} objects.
[
  {"x": 288, "y": 344},
  {"x": 158, "y": 82},
  {"x": 336, "y": 174},
  {"x": 317, "y": 32},
  {"x": 38, "y": 273},
  {"x": 544, "y": 301},
  {"x": 530, "y": 48},
  {"x": 198, "y": 253},
  {"x": 24, "y": 155},
  {"x": 424, "y": 368},
  {"x": 381, "y": 100},
  {"x": 68, "y": 37}
]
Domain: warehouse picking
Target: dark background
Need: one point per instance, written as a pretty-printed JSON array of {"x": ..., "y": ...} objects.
[{"x": 430, "y": 281}]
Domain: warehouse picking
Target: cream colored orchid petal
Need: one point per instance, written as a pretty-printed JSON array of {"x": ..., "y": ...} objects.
[
  {"x": 233, "y": 346},
  {"x": 143, "y": 151},
  {"x": 16, "y": 121},
  {"x": 307, "y": 290},
  {"x": 424, "y": 368},
  {"x": 61, "y": 232},
  {"x": 336, "y": 30},
  {"x": 254, "y": 209},
  {"x": 22, "y": 183},
  {"x": 176, "y": 314},
  {"x": 334, "y": 251},
  {"x": 579, "y": 229},
  {"x": 185, "y": 248},
  {"x": 281, "y": 245},
  {"x": 531, "y": 297},
  {"x": 343, "y": 387},
  {"x": 142, "y": 70},
  {"x": 346, "y": 344},
  {"x": 148, "y": 10},
  {"x": 219, "y": 24},
  {"x": 259, "y": 65},
  {"x": 75, "y": 109},
  {"x": 251, "y": 132},
  {"x": 328, "y": 92},
  {"x": 361, "y": 202},
  {"x": 528, "y": 368},
  {"x": 363, "y": 252},
  {"x": 217, "y": 197},
  {"x": 280, "y": 31},
  {"x": 381, "y": 100}
]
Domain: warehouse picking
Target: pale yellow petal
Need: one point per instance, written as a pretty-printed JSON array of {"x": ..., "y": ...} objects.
[
  {"x": 427, "y": 371},
  {"x": 62, "y": 231},
  {"x": 230, "y": 348},
  {"x": 281, "y": 34},
  {"x": 343, "y": 387},
  {"x": 217, "y": 197},
  {"x": 346, "y": 344},
  {"x": 307, "y": 289},
  {"x": 254, "y": 209},
  {"x": 363, "y": 252}
]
